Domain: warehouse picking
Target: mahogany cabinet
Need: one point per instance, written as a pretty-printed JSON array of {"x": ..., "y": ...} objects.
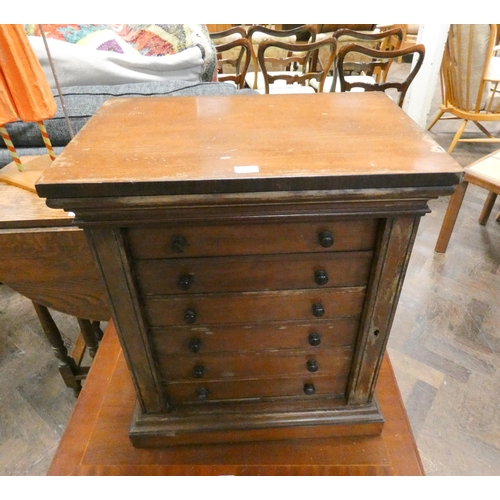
[{"x": 253, "y": 264}]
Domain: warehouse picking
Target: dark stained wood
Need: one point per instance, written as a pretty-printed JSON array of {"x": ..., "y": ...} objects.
[
  {"x": 279, "y": 386},
  {"x": 321, "y": 205},
  {"x": 261, "y": 365},
  {"x": 96, "y": 439},
  {"x": 390, "y": 263},
  {"x": 276, "y": 57},
  {"x": 376, "y": 61},
  {"x": 341, "y": 331},
  {"x": 68, "y": 367},
  {"x": 218, "y": 240},
  {"x": 249, "y": 307},
  {"x": 112, "y": 260},
  {"x": 237, "y": 60},
  {"x": 275, "y": 272}
]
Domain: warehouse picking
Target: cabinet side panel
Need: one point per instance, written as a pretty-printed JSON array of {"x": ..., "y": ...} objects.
[
  {"x": 390, "y": 263},
  {"x": 110, "y": 251}
]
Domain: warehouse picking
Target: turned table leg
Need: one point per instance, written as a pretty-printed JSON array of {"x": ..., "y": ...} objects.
[
  {"x": 90, "y": 335},
  {"x": 67, "y": 365}
]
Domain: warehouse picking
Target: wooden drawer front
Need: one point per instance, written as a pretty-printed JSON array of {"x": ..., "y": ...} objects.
[
  {"x": 186, "y": 392},
  {"x": 313, "y": 336},
  {"x": 250, "y": 307},
  {"x": 238, "y": 274},
  {"x": 255, "y": 365},
  {"x": 249, "y": 239}
]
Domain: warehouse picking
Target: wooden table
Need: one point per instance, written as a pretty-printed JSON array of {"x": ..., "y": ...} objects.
[
  {"x": 46, "y": 259},
  {"x": 96, "y": 440}
]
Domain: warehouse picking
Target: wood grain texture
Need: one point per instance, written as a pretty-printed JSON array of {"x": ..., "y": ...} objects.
[
  {"x": 96, "y": 440},
  {"x": 217, "y": 240},
  {"x": 341, "y": 331},
  {"x": 46, "y": 259},
  {"x": 198, "y": 157},
  {"x": 22, "y": 208},
  {"x": 54, "y": 267}
]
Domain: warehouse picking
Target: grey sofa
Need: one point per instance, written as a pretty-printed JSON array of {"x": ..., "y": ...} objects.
[{"x": 83, "y": 101}]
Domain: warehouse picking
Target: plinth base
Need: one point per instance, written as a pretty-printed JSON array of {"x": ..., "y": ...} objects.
[{"x": 248, "y": 422}]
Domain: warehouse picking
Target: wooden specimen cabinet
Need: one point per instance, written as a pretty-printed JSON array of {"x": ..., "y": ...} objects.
[{"x": 253, "y": 250}]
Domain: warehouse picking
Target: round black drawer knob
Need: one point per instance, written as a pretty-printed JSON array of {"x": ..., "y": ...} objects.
[
  {"x": 185, "y": 282},
  {"x": 194, "y": 345},
  {"x": 318, "y": 310},
  {"x": 190, "y": 316},
  {"x": 312, "y": 365},
  {"x": 325, "y": 239},
  {"x": 314, "y": 339},
  {"x": 309, "y": 389},
  {"x": 198, "y": 371},
  {"x": 179, "y": 244},
  {"x": 202, "y": 393},
  {"x": 320, "y": 277}
]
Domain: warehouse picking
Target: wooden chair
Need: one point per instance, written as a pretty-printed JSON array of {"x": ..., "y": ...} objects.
[
  {"x": 386, "y": 39},
  {"x": 469, "y": 77},
  {"x": 234, "y": 51},
  {"x": 300, "y": 56},
  {"x": 484, "y": 173},
  {"x": 379, "y": 61},
  {"x": 258, "y": 33}
]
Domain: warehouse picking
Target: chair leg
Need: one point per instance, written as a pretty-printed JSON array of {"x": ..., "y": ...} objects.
[
  {"x": 440, "y": 113},
  {"x": 459, "y": 133},
  {"x": 483, "y": 129},
  {"x": 487, "y": 208},
  {"x": 450, "y": 217}
]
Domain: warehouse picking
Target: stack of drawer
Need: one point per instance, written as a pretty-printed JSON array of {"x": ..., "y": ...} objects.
[{"x": 259, "y": 311}]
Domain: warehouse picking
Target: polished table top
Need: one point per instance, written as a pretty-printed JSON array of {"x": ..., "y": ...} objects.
[{"x": 20, "y": 208}]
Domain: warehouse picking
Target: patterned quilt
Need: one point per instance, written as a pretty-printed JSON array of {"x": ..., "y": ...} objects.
[{"x": 154, "y": 40}]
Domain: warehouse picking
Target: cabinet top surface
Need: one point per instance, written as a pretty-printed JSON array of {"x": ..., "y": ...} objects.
[{"x": 245, "y": 143}]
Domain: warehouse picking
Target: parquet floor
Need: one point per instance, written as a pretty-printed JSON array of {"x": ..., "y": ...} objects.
[{"x": 445, "y": 348}]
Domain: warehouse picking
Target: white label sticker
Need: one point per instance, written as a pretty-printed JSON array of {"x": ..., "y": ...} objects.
[{"x": 247, "y": 169}]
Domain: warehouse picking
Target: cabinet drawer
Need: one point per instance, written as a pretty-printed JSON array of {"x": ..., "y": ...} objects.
[
  {"x": 249, "y": 239},
  {"x": 270, "y": 272},
  {"x": 206, "y": 392},
  {"x": 255, "y": 365},
  {"x": 311, "y": 336},
  {"x": 251, "y": 307}
]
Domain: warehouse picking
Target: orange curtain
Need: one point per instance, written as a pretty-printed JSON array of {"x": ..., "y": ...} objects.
[{"x": 24, "y": 89}]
